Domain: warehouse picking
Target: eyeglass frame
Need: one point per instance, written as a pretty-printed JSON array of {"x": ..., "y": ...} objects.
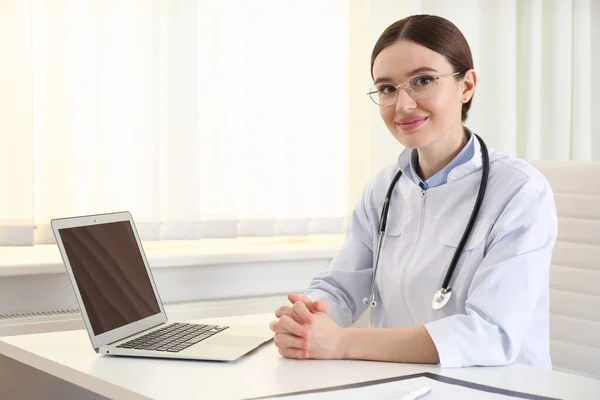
[{"x": 406, "y": 86}]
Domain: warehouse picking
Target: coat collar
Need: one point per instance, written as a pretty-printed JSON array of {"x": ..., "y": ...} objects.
[{"x": 458, "y": 172}]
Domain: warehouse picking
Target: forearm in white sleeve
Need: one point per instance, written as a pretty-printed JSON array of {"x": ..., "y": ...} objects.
[
  {"x": 347, "y": 280},
  {"x": 508, "y": 288}
]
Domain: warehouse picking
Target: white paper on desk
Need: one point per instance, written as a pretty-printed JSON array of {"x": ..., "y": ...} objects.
[{"x": 397, "y": 389}]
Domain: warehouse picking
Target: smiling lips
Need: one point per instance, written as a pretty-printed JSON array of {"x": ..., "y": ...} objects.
[{"x": 411, "y": 123}]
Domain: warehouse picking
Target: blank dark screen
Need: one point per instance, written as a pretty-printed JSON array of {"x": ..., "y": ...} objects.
[{"x": 110, "y": 274}]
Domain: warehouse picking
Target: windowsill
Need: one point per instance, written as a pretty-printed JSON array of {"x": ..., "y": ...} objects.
[{"x": 45, "y": 259}]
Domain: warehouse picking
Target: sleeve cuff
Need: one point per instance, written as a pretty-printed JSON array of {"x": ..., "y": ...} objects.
[
  {"x": 448, "y": 348},
  {"x": 333, "y": 308}
]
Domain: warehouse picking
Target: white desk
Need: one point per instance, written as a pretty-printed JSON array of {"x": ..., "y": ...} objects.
[{"x": 70, "y": 357}]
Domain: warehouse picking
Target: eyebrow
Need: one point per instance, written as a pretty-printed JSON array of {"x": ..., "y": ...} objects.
[{"x": 411, "y": 73}]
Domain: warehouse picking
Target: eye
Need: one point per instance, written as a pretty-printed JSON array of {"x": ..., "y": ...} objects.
[
  {"x": 422, "y": 80},
  {"x": 386, "y": 88}
]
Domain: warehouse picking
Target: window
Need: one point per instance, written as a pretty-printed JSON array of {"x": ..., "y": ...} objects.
[{"x": 202, "y": 118}]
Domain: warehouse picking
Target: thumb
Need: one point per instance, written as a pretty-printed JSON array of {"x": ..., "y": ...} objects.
[{"x": 294, "y": 298}]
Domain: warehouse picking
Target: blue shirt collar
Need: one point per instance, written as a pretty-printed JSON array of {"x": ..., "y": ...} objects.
[{"x": 441, "y": 177}]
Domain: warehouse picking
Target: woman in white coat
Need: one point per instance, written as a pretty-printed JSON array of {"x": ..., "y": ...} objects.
[{"x": 498, "y": 311}]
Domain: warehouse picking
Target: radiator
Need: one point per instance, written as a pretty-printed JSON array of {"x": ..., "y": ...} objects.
[{"x": 70, "y": 319}]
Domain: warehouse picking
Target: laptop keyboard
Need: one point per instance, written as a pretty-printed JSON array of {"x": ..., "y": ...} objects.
[{"x": 173, "y": 338}]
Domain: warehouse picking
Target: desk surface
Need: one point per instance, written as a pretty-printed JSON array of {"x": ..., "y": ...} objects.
[{"x": 69, "y": 356}]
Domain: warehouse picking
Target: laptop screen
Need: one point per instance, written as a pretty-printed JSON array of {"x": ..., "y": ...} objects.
[{"x": 110, "y": 274}]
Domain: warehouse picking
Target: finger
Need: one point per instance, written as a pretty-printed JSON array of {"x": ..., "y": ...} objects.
[
  {"x": 313, "y": 306},
  {"x": 303, "y": 312},
  {"x": 285, "y": 310},
  {"x": 293, "y": 298},
  {"x": 285, "y": 340},
  {"x": 276, "y": 327},
  {"x": 293, "y": 327},
  {"x": 293, "y": 353}
]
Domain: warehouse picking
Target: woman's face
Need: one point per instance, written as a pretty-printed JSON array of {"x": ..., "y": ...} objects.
[{"x": 422, "y": 122}]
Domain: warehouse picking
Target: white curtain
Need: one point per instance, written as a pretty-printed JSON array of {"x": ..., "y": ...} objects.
[
  {"x": 534, "y": 61},
  {"x": 203, "y": 118}
]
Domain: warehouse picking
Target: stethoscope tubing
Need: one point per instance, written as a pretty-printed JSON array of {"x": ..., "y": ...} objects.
[{"x": 441, "y": 296}]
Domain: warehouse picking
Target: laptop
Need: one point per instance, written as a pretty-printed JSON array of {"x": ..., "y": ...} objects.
[{"x": 120, "y": 305}]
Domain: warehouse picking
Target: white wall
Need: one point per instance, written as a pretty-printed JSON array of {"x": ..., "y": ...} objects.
[{"x": 595, "y": 17}]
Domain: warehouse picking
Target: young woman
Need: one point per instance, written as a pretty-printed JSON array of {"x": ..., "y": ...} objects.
[{"x": 473, "y": 226}]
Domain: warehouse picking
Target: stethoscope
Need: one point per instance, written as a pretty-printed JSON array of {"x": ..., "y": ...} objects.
[{"x": 442, "y": 295}]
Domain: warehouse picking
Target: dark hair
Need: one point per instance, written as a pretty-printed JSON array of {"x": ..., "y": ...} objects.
[{"x": 435, "y": 33}]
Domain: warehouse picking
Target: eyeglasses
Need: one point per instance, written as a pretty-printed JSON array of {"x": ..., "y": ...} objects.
[{"x": 418, "y": 87}]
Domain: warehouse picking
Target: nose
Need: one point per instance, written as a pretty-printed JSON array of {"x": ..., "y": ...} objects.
[{"x": 404, "y": 102}]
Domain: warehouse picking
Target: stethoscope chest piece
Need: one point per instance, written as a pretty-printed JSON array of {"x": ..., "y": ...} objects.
[{"x": 441, "y": 298}]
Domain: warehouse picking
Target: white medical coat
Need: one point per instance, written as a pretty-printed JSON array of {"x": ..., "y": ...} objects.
[{"x": 499, "y": 310}]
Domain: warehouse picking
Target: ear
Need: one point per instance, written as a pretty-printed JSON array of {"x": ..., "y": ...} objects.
[{"x": 469, "y": 82}]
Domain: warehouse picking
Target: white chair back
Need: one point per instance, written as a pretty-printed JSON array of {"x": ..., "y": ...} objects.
[{"x": 575, "y": 270}]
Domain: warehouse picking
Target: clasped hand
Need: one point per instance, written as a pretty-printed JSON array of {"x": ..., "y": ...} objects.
[{"x": 304, "y": 330}]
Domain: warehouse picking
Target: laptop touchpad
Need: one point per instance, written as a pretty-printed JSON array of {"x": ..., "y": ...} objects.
[{"x": 236, "y": 340}]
